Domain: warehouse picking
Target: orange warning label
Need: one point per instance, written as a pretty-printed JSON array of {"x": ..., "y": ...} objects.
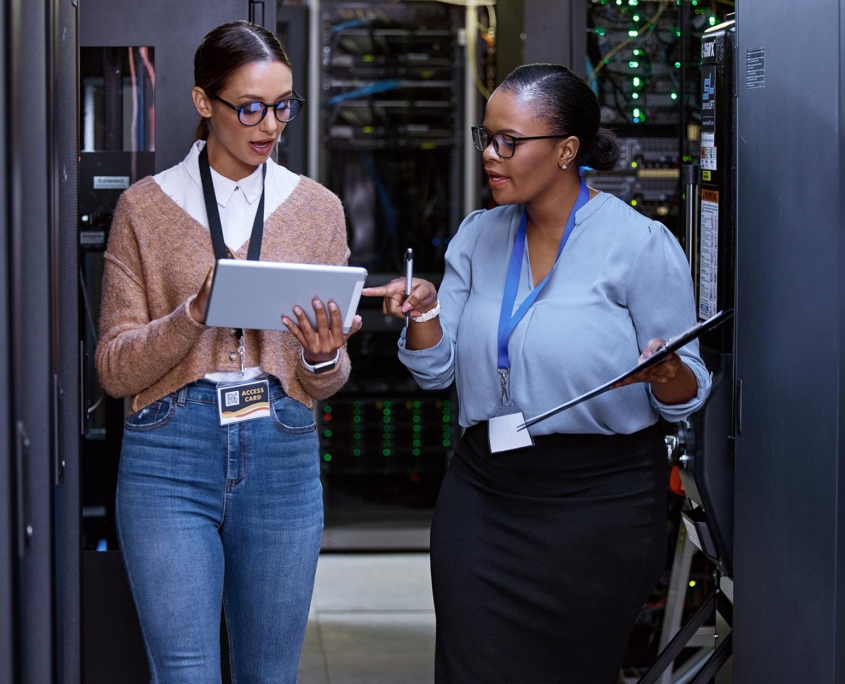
[{"x": 709, "y": 195}]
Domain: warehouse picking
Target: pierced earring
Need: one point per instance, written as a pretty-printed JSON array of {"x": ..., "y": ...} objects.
[{"x": 563, "y": 166}]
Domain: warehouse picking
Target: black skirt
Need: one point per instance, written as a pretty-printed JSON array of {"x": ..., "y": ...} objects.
[{"x": 542, "y": 558}]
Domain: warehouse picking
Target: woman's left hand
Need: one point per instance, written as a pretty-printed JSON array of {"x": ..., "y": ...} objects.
[
  {"x": 661, "y": 373},
  {"x": 672, "y": 381},
  {"x": 321, "y": 344}
]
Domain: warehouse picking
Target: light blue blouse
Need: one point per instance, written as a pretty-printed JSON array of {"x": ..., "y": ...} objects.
[{"x": 621, "y": 280}]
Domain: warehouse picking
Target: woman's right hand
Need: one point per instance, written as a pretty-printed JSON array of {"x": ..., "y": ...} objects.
[
  {"x": 423, "y": 297},
  {"x": 199, "y": 306}
]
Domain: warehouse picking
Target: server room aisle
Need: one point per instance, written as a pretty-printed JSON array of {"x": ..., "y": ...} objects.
[{"x": 371, "y": 622}]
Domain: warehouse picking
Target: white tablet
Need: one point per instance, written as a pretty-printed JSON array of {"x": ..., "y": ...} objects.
[{"x": 254, "y": 295}]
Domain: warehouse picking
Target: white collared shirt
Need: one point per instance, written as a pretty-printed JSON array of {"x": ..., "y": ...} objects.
[{"x": 237, "y": 201}]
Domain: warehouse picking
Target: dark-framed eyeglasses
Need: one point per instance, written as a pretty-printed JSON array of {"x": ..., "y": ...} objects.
[
  {"x": 504, "y": 144},
  {"x": 253, "y": 113}
]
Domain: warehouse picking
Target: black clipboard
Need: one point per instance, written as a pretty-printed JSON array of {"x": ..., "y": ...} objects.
[{"x": 659, "y": 356}]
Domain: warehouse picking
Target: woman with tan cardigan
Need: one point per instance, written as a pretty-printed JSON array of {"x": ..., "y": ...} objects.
[{"x": 213, "y": 509}]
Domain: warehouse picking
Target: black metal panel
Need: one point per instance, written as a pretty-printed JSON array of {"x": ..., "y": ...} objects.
[
  {"x": 104, "y": 23},
  {"x": 292, "y": 30},
  {"x": 65, "y": 293},
  {"x": 789, "y": 457},
  {"x": 556, "y": 31},
  {"x": 510, "y": 43},
  {"x": 7, "y": 658},
  {"x": 30, "y": 335}
]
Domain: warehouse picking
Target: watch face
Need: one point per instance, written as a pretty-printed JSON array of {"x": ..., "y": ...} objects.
[{"x": 325, "y": 366}]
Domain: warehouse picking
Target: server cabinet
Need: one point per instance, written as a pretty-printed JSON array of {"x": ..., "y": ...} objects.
[
  {"x": 8, "y": 637},
  {"x": 789, "y": 551},
  {"x": 31, "y": 367},
  {"x": 391, "y": 125}
]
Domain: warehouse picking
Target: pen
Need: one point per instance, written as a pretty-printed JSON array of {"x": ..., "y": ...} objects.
[{"x": 409, "y": 279}]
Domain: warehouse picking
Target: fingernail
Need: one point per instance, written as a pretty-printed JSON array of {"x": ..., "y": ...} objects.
[
  {"x": 297, "y": 310},
  {"x": 318, "y": 304},
  {"x": 332, "y": 306}
]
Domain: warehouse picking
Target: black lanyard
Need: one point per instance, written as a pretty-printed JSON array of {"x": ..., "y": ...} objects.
[{"x": 214, "y": 225}]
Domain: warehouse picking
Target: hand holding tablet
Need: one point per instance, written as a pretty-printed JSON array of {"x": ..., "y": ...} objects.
[{"x": 255, "y": 295}]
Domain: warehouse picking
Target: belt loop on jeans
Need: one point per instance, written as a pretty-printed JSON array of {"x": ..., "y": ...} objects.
[{"x": 182, "y": 397}]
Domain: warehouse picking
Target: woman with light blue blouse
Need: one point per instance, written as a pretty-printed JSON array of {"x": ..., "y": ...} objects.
[{"x": 544, "y": 548}]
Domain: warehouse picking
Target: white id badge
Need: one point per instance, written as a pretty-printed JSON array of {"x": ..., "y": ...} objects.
[
  {"x": 502, "y": 428},
  {"x": 247, "y": 401}
]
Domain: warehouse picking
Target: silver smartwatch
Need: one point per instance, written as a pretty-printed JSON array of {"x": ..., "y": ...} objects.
[{"x": 323, "y": 366}]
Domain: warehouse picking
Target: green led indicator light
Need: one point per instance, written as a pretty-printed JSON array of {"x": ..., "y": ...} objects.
[
  {"x": 634, "y": 165},
  {"x": 356, "y": 452},
  {"x": 637, "y": 112},
  {"x": 387, "y": 404},
  {"x": 632, "y": 33},
  {"x": 417, "y": 419},
  {"x": 327, "y": 408},
  {"x": 327, "y": 458},
  {"x": 674, "y": 96},
  {"x": 633, "y": 64},
  {"x": 635, "y": 95},
  {"x": 633, "y": 203},
  {"x": 416, "y": 442},
  {"x": 368, "y": 129},
  {"x": 637, "y": 52},
  {"x": 678, "y": 32},
  {"x": 356, "y": 419},
  {"x": 417, "y": 404},
  {"x": 446, "y": 442},
  {"x": 446, "y": 419},
  {"x": 677, "y": 65},
  {"x": 386, "y": 452},
  {"x": 386, "y": 419},
  {"x": 600, "y": 30},
  {"x": 416, "y": 452},
  {"x": 637, "y": 81},
  {"x": 636, "y": 17},
  {"x": 327, "y": 433},
  {"x": 712, "y": 21},
  {"x": 369, "y": 58}
]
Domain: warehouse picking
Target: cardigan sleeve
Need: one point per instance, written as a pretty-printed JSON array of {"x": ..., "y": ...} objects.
[
  {"x": 135, "y": 352},
  {"x": 324, "y": 385}
]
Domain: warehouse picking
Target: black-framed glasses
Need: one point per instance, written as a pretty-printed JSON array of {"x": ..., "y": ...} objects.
[
  {"x": 253, "y": 113},
  {"x": 504, "y": 144}
]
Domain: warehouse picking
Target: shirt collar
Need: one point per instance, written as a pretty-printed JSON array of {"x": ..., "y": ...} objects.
[{"x": 224, "y": 188}]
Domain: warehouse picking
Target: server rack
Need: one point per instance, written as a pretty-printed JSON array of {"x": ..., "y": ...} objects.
[
  {"x": 391, "y": 119},
  {"x": 642, "y": 59}
]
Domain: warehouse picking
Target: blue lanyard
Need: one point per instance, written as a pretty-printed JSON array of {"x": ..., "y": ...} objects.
[{"x": 508, "y": 322}]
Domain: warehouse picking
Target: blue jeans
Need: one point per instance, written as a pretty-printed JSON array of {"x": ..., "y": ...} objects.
[{"x": 209, "y": 514}]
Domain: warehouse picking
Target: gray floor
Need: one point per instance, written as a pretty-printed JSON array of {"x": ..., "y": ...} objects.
[{"x": 371, "y": 622}]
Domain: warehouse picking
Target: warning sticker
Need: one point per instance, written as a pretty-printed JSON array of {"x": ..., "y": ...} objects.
[
  {"x": 708, "y": 158},
  {"x": 709, "y": 254}
]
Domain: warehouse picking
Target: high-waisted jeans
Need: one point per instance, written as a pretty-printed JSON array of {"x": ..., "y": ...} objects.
[{"x": 209, "y": 515}]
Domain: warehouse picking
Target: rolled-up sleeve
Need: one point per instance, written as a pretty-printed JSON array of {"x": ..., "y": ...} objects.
[
  {"x": 434, "y": 368},
  {"x": 662, "y": 304}
]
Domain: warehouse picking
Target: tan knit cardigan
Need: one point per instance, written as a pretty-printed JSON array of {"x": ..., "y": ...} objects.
[{"x": 157, "y": 259}]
